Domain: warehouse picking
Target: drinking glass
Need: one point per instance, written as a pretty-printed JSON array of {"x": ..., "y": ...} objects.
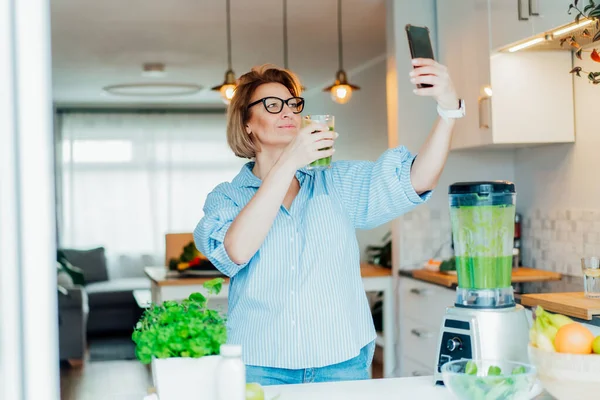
[
  {"x": 591, "y": 276},
  {"x": 329, "y": 120}
]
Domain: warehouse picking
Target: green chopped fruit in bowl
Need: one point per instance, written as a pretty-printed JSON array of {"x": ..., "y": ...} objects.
[
  {"x": 488, "y": 379},
  {"x": 471, "y": 368}
]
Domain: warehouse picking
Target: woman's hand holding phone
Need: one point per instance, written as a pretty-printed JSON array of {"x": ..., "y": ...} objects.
[{"x": 429, "y": 71}]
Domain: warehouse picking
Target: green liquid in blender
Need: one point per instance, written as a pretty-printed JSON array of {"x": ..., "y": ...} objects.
[
  {"x": 484, "y": 272},
  {"x": 483, "y": 243}
]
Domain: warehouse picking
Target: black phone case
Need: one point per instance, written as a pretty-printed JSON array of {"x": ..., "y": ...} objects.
[{"x": 413, "y": 50}]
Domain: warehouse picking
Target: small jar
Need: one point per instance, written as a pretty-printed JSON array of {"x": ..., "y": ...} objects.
[{"x": 231, "y": 374}]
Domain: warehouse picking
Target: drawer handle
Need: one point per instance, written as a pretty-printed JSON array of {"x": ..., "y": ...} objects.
[
  {"x": 420, "y": 292},
  {"x": 421, "y": 334},
  {"x": 419, "y": 373},
  {"x": 531, "y": 12},
  {"x": 483, "y": 125},
  {"x": 520, "y": 11}
]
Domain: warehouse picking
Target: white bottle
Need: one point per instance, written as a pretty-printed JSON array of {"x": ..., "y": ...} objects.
[{"x": 231, "y": 374}]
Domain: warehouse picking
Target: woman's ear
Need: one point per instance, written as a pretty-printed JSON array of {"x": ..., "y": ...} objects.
[{"x": 248, "y": 130}]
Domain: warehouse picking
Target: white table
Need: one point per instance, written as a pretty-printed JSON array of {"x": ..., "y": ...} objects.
[
  {"x": 420, "y": 388},
  {"x": 165, "y": 286}
]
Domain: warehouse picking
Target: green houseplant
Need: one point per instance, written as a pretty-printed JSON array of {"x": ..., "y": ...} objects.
[
  {"x": 181, "y": 329},
  {"x": 590, "y": 11},
  {"x": 181, "y": 340}
]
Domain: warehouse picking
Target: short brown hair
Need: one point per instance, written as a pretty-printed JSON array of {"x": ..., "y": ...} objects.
[{"x": 238, "y": 114}]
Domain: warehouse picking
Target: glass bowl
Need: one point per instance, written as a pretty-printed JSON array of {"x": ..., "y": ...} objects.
[{"x": 489, "y": 379}]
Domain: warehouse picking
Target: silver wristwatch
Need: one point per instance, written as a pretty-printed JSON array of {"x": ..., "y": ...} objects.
[{"x": 452, "y": 114}]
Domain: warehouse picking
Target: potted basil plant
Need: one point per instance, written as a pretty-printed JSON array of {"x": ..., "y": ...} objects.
[{"x": 181, "y": 341}]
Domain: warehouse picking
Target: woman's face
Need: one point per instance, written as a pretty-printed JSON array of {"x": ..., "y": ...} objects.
[{"x": 272, "y": 130}]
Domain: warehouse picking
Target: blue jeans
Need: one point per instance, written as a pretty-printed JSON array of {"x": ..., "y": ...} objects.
[{"x": 356, "y": 368}]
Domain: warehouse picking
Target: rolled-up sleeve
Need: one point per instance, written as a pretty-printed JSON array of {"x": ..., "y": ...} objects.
[
  {"x": 209, "y": 235},
  {"x": 377, "y": 192}
]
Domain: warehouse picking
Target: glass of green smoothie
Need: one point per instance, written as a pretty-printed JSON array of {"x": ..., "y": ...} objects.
[
  {"x": 329, "y": 120},
  {"x": 482, "y": 215}
]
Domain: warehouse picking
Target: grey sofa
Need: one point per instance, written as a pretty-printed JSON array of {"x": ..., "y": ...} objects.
[
  {"x": 112, "y": 305},
  {"x": 72, "y": 319}
]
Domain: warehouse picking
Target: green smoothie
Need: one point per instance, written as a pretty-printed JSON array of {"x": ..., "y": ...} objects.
[
  {"x": 322, "y": 162},
  {"x": 483, "y": 244}
]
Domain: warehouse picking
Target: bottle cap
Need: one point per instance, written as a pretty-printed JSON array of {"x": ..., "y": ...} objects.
[{"x": 231, "y": 350}]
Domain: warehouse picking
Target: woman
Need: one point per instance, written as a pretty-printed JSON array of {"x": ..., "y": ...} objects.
[{"x": 286, "y": 235}]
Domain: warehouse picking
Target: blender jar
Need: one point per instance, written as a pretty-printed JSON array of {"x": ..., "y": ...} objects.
[{"x": 482, "y": 216}]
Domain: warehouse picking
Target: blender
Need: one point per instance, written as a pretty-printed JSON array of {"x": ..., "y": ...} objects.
[{"x": 485, "y": 322}]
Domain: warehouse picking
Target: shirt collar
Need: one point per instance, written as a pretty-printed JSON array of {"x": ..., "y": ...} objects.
[{"x": 246, "y": 177}]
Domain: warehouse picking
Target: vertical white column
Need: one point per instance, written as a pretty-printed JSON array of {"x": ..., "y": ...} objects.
[
  {"x": 11, "y": 367},
  {"x": 29, "y": 340}
]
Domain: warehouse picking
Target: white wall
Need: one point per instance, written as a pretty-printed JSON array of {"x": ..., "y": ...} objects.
[
  {"x": 361, "y": 123},
  {"x": 420, "y": 233},
  {"x": 559, "y": 190}
]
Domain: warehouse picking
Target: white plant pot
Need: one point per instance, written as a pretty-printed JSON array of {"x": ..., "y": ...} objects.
[{"x": 185, "y": 378}]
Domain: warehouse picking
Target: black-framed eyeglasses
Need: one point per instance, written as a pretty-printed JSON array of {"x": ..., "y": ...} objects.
[{"x": 274, "y": 105}]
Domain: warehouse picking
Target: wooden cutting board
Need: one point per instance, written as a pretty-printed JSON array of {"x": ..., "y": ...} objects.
[
  {"x": 521, "y": 274},
  {"x": 573, "y": 304}
]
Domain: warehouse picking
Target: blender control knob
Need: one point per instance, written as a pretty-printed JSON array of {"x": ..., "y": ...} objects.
[{"x": 453, "y": 344}]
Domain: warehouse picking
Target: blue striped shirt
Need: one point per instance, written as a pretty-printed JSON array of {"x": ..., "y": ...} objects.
[{"x": 300, "y": 302}]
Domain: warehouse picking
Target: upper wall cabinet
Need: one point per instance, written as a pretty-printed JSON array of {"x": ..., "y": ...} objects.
[
  {"x": 513, "y": 99},
  {"x": 514, "y": 20}
]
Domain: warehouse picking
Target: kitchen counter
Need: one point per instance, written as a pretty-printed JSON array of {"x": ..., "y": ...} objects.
[
  {"x": 374, "y": 389},
  {"x": 568, "y": 283}
]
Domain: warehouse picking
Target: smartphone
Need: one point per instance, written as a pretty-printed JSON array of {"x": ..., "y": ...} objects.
[{"x": 420, "y": 46}]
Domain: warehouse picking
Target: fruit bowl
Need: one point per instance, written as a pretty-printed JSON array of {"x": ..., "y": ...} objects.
[
  {"x": 489, "y": 379},
  {"x": 567, "y": 376}
]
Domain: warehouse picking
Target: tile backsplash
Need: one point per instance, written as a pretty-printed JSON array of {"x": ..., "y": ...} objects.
[
  {"x": 556, "y": 239},
  {"x": 552, "y": 239},
  {"x": 424, "y": 233}
]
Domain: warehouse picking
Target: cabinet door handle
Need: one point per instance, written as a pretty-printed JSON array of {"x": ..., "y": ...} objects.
[
  {"x": 520, "y": 11},
  {"x": 531, "y": 12},
  {"x": 421, "y": 333},
  {"x": 420, "y": 292},
  {"x": 419, "y": 373},
  {"x": 482, "y": 124}
]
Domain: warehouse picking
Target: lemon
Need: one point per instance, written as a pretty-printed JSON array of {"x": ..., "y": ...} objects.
[
  {"x": 254, "y": 392},
  {"x": 596, "y": 345}
]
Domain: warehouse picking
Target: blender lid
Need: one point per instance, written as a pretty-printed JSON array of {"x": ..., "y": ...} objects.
[{"x": 482, "y": 187}]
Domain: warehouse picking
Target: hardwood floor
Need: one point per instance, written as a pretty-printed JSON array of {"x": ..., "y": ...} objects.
[
  {"x": 118, "y": 380},
  {"x": 105, "y": 380}
]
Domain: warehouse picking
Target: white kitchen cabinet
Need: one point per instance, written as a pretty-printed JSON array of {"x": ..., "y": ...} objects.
[
  {"x": 532, "y": 92},
  {"x": 510, "y": 21},
  {"x": 422, "y": 306},
  {"x": 547, "y": 15},
  {"x": 515, "y": 20}
]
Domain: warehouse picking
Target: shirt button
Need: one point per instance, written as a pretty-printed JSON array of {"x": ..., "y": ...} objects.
[
  {"x": 293, "y": 322},
  {"x": 292, "y": 239},
  {"x": 292, "y": 292},
  {"x": 293, "y": 268}
]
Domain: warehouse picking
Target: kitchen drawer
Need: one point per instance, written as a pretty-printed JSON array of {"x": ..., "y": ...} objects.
[
  {"x": 410, "y": 367},
  {"x": 424, "y": 302},
  {"x": 419, "y": 342}
]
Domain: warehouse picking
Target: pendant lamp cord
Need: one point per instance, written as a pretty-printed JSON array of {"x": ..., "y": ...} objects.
[
  {"x": 339, "y": 21},
  {"x": 285, "y": 37},
  {"x": 228, "y": 35}
]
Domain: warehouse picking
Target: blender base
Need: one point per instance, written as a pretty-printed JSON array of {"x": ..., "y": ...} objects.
[{"x": 482, "y": 334}]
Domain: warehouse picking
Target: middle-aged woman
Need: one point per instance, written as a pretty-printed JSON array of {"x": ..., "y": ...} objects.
[{"x": 286, "y": 234}]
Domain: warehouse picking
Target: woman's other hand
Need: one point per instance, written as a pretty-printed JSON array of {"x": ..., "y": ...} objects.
[
  {"x": 306, "y": 146},
  {"x": 431, "y": 72}
]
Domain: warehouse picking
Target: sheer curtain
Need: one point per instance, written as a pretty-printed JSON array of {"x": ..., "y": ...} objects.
[{"x": 127, "y": 179}]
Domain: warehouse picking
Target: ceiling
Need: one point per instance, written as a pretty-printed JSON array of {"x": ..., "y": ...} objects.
[{"x": 100, "y": 43}]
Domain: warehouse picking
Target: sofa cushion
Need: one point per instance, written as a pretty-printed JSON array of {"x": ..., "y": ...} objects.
[
  {"x": 115, "y": 291},
  {"x": 92, "y": 262}
]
